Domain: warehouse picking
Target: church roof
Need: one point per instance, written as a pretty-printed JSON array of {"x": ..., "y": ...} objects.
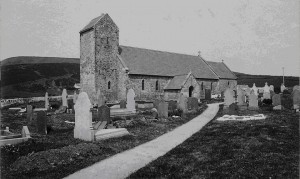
[
  {"x": 152, "y": 62},
  {"x": 177, "y": 82},
  {"x": 222, "y": 70},
  {"x": 91, "y": 24}
]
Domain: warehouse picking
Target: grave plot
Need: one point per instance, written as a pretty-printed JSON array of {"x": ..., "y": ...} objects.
[{"x": 57, "y": 153}]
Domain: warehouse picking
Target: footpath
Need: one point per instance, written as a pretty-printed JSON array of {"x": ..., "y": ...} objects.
[{"x": 123, "y": 164}]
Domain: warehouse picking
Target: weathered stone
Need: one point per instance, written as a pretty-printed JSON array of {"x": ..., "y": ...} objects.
[
  {"x": 182, "y": 103},
  {"x": 100, "y": 98},
  {"x": 296, "y": 98},
  {"x": 278, "y": 107},
  {"x": 276, "y": 100},
  {"x": 130, "y": 100},
  {"x": 122, "y": 104},
  {"x": 41, "y": 122},
  {"x": 64, "y": 98},
  {"x": 254, "y": 88},
  {"x": 241, "y": 97},
  {"x": 162, "y": 109},
  {"x": 282, "y": 88},
  {"x": 29, "y": 112},
  {"x": 46, "y": 101},
  {"x": 104, "y": 113},
  {"x": 233, "y": 109},
  {"x": 228, "y": 97},
  {"x": 25, "y": 132},
  {"x": 83, "y": 118}
]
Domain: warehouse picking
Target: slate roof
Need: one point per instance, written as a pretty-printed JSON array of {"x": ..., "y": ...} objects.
[
  {"x": 91, "y": 24},
  {"x": 177, "y": 82},
  {"x": 152, "y": 62},
  {"x": 222, "y": 70}
]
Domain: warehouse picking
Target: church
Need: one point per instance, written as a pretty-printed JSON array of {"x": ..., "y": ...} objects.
[{"x": 112, "y": 69}]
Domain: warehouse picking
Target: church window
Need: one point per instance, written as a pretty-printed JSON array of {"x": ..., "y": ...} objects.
[
  {"x": 156, "y": 85},
  {"x": 211, "y": 85},
  {"x": 228, "y": 83},
  {"x": 202, "y": 86},
  {"x": 108, "y": 85},
  {"x": 143, "y": 85}
]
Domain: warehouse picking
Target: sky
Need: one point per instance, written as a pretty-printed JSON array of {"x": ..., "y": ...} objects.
[{"x": 251, "y": 36}]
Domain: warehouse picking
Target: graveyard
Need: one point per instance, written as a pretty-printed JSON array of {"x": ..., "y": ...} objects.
[{"x": 55, "y": 152}]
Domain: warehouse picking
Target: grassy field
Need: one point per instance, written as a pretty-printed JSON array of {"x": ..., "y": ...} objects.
[
  {"x": 58, "y": 154},
  {"x": 250, "y": 149}
]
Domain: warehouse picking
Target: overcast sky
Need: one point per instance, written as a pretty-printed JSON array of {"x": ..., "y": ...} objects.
[{"x": 251, "y": 36}]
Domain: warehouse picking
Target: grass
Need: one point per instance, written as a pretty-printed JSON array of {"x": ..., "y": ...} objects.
[
  {"x": 250, "y": 149},
  {"x": 58, "y": 154}
]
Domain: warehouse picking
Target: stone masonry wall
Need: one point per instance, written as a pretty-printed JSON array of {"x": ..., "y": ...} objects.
[
  {"x": 149, "y": 93},
  {"x": 108, "y": 67},
  {"x": 87, "y": 64},
  {"x": 206, "y": 84},
  {"x": 191, "y": 81}
]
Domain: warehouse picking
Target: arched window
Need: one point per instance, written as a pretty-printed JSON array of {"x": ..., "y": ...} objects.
[
  {"x": 202, "y": 86},
  {"x": 108, "y": 85},
  {"x": 191, "y": 88},
  {"x": 156, "y": 85},
  {"x": 211, "y": 85},
  {"x": 228, "y": 83},
  {"x": 143, "y": 85}
]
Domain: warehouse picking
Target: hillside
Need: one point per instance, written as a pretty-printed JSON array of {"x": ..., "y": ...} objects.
[{"x": 32, "y": 76}]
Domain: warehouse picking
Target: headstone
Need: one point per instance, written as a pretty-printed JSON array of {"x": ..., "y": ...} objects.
[
  {"x": 241, "y": 97},
  {"x": 154, "y": 113},
  {"x": 247, "y": 90},
  {"x": 46, "y": 101},
  {"x": 271, "y": 88},
  {"x": 130, "y": 100},
  {"x": 162, "y": 109},
  {"x": 122, "y": 104},
  {"x": 282, "y": 88},
  {"x": 228, "y": 97},
  {"x": 83, "y": 118},
  {"x": 25, "y": 132},
  {"x": 233, "y": 109},
  {"x": 296, "y": 87},
  {"x": 253, "y": 101},
  {"x": 41, "y": 122},
  {"x": 272, "y": 93},
  {"x": 254, "y": 88},
  {"x": 276, "y": 100},
  {"x": 182, "y": 103},
  {"x": 29, "y": 113},
  {"x": 172, "y": 105},
  {"x": 287, "y": 101},
  {"x": 296, "y": 99},
  {"x": 100, "y": 98},
  {"x": 155, "y": 103},
  {"x": 104, "y": 113},
  {"x": 192, "y": 103},
  {"x": 64, "y": 98},
  {"x": 75, "y": 96},
  {"x": 266, "y": 94}
]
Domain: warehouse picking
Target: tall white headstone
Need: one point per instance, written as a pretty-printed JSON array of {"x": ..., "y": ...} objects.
[
  {"x": 64, "y": 98},
  {"x": 46, "y": 101},
  {"x": 266, "y": 94},
  {"x": 130, "y": 100},
  {"x": 83, "y": 118},
  {"x": 255, "y": 90},
  {"x": 253, "y": 100},
  {"x": 282, "y": 88},
  {"x": 241, "y": 97},
  {"x": 228, "y": 97}
]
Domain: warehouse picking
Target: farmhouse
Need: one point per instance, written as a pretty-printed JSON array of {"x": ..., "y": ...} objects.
[{"x": 113, "y": 69}]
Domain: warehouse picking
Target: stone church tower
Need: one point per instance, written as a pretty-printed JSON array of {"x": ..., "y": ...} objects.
[{"x": 101, "y": 67}]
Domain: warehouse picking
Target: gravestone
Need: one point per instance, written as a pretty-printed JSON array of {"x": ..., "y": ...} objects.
[
  {"x": 162, "y": 109},
  {"x": 172, "y": 105},
  {"x": 254, "y": 88},
  {"x": 104, "y": 113},
  {"x": 29, "y": 113},
  {"x": 241, "y": 97},
  {"x": 266, "y": 94},
  {"x": 253, "y": 101},
  {"x": 276, "y": 100},
  {"x": 182, "y": 103},
  {"x": 247, "y": 90},
  {"x": 282, "y": 88},
  {"x": 228, "y": 97},
  {"x": 233, "y": 109},
  {"x": 100, "y": 98},
  {"x": 296, "y": 99},
  {"x": 192, "y": 103},
  {"x": 83, "y": 118},
  {"x": 296, "y": 87},
  {"x": 154, "y": 113},
  {"x": 64, "y": 98},
  {"x": 41, "y": 122},
  {"x": 130, "y": 100},
  {"x": 46, "y": 101},
  {"x": 155, "y": 103},
  {"x": 272, "y": 93},
  {"x": 122, "y": 104},
  {"x": 271, "y": 88},
  {"x": 287, "y": 101},
  {"x": 75, "y": 96}
]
